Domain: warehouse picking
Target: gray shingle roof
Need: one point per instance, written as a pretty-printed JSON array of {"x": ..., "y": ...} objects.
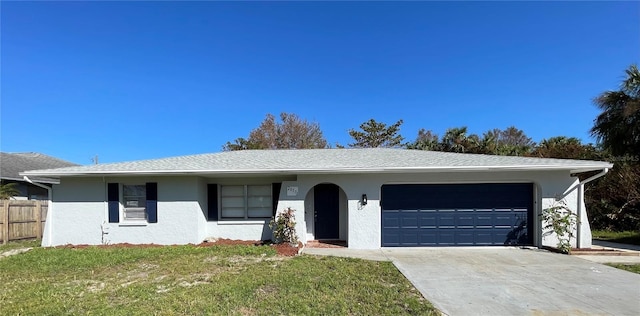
[
  {"x": 324, "y": 161},
  {"x": 11, "y": 164}
]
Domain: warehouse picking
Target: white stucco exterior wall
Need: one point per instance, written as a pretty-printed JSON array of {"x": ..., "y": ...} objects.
[
  {"x": 79, "y": 210},
  {"x": 80, "y": 213},
  {"x": 364, "y": 222},
  {"x": 570, "y": 196},
  {"x": 584, "y": 234},
  {"x": 179, "y": 214}
]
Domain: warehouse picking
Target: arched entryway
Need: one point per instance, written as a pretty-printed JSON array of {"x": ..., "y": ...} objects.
[{"x": 326, "y": 212}]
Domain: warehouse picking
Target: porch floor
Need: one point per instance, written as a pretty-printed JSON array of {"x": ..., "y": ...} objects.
[{"x": 326, "y": 243}]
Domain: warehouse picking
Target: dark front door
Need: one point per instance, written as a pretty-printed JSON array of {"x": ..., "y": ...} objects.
[{"x": 326, "y": 209}]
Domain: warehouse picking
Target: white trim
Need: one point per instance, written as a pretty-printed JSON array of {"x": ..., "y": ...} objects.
[
  {"x": 133, "y": 222},
  {"x": 579, "y": 241},
  {"x": 49, "y": 181},
  {"x": 49, "y": 218},
  {"x": 570, "y": 168},
  {"x": 244, "y": 222}
]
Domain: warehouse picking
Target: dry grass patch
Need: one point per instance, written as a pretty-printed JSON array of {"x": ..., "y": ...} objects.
[{"x": 220, "y": 280}]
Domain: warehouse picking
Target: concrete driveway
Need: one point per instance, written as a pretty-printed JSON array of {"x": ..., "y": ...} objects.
[
  {"x": 509, "y": 281},
  {"x": 512, "y": 281}
]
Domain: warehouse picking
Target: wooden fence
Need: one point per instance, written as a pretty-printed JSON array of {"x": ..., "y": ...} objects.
[{"x": 22, "y": 219}]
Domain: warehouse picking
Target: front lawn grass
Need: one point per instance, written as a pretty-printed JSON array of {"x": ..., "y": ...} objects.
[
  {"x": 635, "y": 268},
  {"x": 624, "y": 237},
  {"x": 179, "y": 280}
]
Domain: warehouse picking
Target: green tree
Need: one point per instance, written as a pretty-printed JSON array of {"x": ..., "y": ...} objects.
[
  {"x": 241, "y": 144},
  {"x": 508, "y": 142},
  {"x": 617, "y": 128},
  {"x": 290, "y": 132},
  {"x": 8, "y": 190},
  {"x": 375, "y": 134},
  {"x": 514, "y": 142},
  {"x": 426, "y": 140},
  {"x": 456, "y": 140},
  {"x": 613, "y": 201},
  {"x": 490, "y": 142},
  {"x": 565, "y": 147}
]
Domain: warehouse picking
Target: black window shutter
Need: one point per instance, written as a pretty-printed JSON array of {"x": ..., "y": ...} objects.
[
  {"x": 113, "y": 198},
  {"x": 152, "y": 202},
  {"x": 275, "y": 196},
  {"x": 212, "y": 202}
]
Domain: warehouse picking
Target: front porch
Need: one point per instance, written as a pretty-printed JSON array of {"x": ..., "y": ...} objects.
[{"x": 325, "y": 216}]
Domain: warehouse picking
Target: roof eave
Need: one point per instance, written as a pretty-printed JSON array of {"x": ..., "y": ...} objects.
[
  {"x": 47, "y": 181},
  {"x": 572, "y": 169}
]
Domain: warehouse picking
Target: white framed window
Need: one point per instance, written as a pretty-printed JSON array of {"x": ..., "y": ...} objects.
[
  {"x": 134, "y": 202},
  {"x": 245, "y": 201}
]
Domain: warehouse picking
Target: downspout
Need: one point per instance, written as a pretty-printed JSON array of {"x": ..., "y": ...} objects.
[
  {"x": 49, "y": 206},
  {"x": 581, "y": 201}
]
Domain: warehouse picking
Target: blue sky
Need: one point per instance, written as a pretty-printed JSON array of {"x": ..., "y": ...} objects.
[{"x": 139, "y": 80}]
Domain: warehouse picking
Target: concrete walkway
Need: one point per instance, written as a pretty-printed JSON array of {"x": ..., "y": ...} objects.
[
  {"x": 509, "y": 281},
  {"x": 631, "y": 253},
  {"x": 614, "y": 245}
]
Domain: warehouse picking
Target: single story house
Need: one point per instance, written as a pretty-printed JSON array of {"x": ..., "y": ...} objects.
[
  {"x": 11, "y": 164},
  {"x": 369, "y": 198}
]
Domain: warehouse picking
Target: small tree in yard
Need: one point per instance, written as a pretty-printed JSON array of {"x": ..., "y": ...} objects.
[
  {"x": 284, "y": 227},
  {"x": 560, "y": 220},
  {"x": 8, "y": 190}
]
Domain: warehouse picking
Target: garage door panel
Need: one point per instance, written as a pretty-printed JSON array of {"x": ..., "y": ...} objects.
[
  {"x": 470, "y": 196},
  {"x": 465, "y": 237},
  {"x": 449, "y": 215},
  {"x": 465, "y": 218},
  {"x": 445, "y": 238},
  {"x": 504, "y": 220},
  {"x": 392, "y": 237},
  {"x": 409, "y": 219},
  {"x": 409, "y": 237},
  {"x": 446, "y": 218},
  {"x": 485, "y": 220},
  {"x": 484, "y": 237},
  {"x": 428, "y": 237},
  {"x": 428, "y": 219},
  {"x": 390, "y": 220}
]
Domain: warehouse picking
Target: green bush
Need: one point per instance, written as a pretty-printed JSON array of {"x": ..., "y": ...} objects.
[
  {"x": 560, "y": 220},
  {"x": 284, "y": 227}
]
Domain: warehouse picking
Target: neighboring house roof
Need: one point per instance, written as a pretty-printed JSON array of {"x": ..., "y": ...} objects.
[
  {"x": 309, "y": 161},
  {"x": 12, "y": 164}
]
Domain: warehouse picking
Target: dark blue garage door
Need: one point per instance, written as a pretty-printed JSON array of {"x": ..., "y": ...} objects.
[{"x": 457, "y": 214}]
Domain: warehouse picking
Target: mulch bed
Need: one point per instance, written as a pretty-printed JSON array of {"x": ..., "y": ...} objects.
[
  {"x": 602, "y": 252},
  {"x": 593, "y": 249},
  {"x": 282, "y": 249}
]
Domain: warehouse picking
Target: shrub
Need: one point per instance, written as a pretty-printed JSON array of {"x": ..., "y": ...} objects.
[
  {"x": 561, "y": 221},
  {"x": 284, "y": 227}
]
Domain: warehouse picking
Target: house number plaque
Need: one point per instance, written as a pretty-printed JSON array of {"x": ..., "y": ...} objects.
[{"x": 292, "y": 191}]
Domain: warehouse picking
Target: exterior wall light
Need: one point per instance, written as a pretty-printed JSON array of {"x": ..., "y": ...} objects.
[{"x": 364, "y": 199}]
